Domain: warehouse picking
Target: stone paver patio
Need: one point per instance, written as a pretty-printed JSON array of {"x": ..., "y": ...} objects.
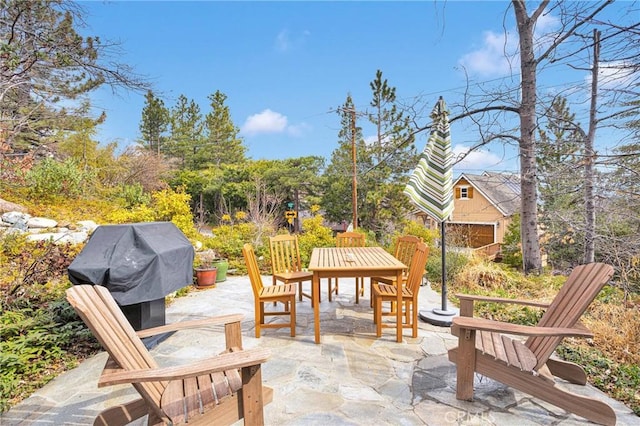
[{"x": 351, "y": 378}]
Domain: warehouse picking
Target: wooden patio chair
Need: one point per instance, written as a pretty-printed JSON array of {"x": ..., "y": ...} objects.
[
  {"x": 285, "y": 293},
  {"x": 285, "y": 262},
  {"x": 526, "y": 365},
  {"x": 389, "y": 293},
  {"x": 405, "y": 248},
  {"x": 218, "y": 390},
  {"x": 348, "y": 239}
]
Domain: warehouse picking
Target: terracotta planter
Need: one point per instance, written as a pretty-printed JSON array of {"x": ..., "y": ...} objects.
[{"x": 206, "y": 277}]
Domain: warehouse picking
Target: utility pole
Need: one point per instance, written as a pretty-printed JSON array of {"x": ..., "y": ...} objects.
[{"x": 354, "y": 191}]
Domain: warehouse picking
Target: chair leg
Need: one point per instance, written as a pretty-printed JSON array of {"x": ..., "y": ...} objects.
[
  {"x": 414, "y": 318},
  {"x": 292, "y": 315},
  {"x": 300, "y": 291},
  {"x": 259, "y": 309},
  {"x": 378, "y": 314}
]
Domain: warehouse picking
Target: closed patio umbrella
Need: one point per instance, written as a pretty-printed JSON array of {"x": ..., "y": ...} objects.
[{"x": 430, "y": 188}]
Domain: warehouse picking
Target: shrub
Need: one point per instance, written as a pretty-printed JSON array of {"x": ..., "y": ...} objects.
[
  {"x": 134, "y": 195},
  {"x": 315, "y": 235},
  {"x": 51, "y": 178}
]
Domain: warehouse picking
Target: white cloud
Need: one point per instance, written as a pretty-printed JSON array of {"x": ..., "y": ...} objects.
[
  {"x": 266, "y": 121},
  {"x": 286, "y": 42},
  {"x": 283, "y": 42},
  {"x": 498, "y": 55},
  {"x": 475, "y": 161},
  {"x": 614, "y": 75},
  {"x": 494, "y": 58},
  {"x": 269, "y": 121}
]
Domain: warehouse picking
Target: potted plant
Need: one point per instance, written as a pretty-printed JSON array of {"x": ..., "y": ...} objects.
[{"x": 205, "y": 269}]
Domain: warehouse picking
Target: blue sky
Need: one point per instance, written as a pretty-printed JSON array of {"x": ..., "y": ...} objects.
[{"x": 285, "y": 66}]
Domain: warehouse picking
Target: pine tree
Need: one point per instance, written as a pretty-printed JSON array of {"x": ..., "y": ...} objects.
[
  {"x": 186, "y": 131},
  {"x": 154, "y": 123},
  {"x": 47, "y": 67},
  {"x": 222, "y": 144},
  {"x": 560, "y": 184}
]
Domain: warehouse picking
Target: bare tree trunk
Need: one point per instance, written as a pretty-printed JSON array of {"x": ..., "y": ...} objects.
[
  {"x": 532, "y": 261},
  {"x": 589, "y": 158}
]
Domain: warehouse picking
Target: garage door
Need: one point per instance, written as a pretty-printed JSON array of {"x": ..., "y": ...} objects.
[{"x": 471, "y": 235}]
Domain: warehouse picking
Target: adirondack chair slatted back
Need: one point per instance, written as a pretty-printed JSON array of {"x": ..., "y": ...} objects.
[
  {"x": 285, "y": 254},
  {"x": 575, "y": 296},
  {"x": 103, "y": 316}
]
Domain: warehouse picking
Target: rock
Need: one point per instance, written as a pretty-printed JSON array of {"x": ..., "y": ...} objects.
[
  {"x": 14, "y": 216},
  {"x": 41, "y": 222},
  {"x": 59, "y": 237},
  {"x": 87, "y": 225},
  {"x": 8, "y": 206}
]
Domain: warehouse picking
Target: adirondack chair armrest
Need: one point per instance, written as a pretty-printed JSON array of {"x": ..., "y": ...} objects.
[
  {"x": 182, "y": 325},
  {"x": 481, "y": 324},
  {"x": 467, "y": 301},
  {"x": 222, "y": 362}
]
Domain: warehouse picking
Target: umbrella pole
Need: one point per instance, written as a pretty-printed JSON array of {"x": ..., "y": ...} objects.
[
  {"x": 441, "y": 317},
  {"x": 444, "y": 267}
]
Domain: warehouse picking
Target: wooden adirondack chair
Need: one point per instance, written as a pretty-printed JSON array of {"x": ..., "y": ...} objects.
[
  {"x": 526, "y": 365},
  {"x": 216, "y": 391}
]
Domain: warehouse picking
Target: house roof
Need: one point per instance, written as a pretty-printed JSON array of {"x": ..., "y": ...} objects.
[{"x": 501, "y": 189}]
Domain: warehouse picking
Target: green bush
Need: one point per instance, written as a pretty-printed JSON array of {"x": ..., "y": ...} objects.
[
  {"x": 134, "y": 195},
  {"x": 454, "y": 262},
  {"x": 511, "y": 246},
  {"x": 50, "y": 178},
  {"x": 35, "y": 344},
  {"x": 314, "y": 235}
]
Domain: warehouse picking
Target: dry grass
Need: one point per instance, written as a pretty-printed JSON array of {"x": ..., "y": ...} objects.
[{"x": 616, "y": 330}]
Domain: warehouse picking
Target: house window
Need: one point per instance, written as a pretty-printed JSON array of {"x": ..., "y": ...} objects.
[{"x": 464, "y": 192}]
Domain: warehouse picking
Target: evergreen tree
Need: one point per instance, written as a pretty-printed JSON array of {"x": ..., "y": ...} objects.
[
  {"x": 46, "y": 68},
  {"x": 560, "y": 184},
  {"x": 186, "y": 131},
  {"x": 338, "y": 195},
  {"x": 393, "y": 155},
  {"x": 393, "y": 151},
  {"x": 154, "y": 123},
  {"x": 222, "y": 144}
]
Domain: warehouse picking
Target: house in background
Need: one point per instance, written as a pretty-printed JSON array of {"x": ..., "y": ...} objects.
[{"x": 484, "y": 206}]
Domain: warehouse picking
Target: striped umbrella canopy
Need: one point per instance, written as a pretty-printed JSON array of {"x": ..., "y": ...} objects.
[{"x": 430, "y": 187}]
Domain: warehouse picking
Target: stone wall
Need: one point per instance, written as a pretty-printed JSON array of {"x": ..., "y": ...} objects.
[{"x": 42, "y": 228}]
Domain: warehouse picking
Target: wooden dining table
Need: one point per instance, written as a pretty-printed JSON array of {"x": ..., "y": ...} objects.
[{"x": 348, "y": 262}]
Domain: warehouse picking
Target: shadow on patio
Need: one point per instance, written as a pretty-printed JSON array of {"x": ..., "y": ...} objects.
[{"x": 350, "y": 378}]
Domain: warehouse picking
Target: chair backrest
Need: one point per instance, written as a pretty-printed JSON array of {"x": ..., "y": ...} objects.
[
  {"x": 416, "y": 267},
  {"x": 100, "y": 312},
  {"x": 406, "y": 247},
  {"x": 581, "y": 288},
  {"x": 350, "y": 239},
  {"x": 253, "y": 269},
  {"x": 285, "y": 254}
]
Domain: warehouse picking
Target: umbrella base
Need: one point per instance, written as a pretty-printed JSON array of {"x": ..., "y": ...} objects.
[{"x": 439, "y": 317}]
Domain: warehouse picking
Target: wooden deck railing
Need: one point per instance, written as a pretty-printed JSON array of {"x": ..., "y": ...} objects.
[{"x": 490, "y": 251}]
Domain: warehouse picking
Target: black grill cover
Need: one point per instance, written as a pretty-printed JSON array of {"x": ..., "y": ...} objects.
[{"x": 137, "y": 262}]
